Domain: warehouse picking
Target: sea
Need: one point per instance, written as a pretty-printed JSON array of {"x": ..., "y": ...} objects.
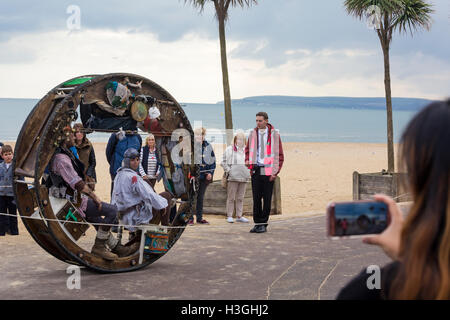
[{"x": 295, "y": 123}]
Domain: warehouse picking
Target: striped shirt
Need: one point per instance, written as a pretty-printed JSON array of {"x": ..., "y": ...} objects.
[{"x": 152, "y": 164}]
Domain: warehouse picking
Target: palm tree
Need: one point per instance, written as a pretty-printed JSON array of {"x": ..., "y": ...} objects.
[
  {"x": 221, "y": 7},
  {"x": 401, "y": 15}
]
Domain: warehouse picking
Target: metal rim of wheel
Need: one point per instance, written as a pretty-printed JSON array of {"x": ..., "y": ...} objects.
[{"x": 34, "y": 148}]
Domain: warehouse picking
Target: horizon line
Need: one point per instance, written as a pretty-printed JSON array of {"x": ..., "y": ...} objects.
[{"x": 290, "y": 96}]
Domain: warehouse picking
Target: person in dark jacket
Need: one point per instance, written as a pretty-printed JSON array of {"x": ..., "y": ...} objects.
[
  {"x": 118, "y": 143},
  {"x": 205, "y": 157},
  {"x": 7, "y": 203},
  {"x": 86, "y": 154}
]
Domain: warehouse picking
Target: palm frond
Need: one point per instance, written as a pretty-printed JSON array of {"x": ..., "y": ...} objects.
[
  {"x": 222, "y": 5},
  {"x": 241, "y": 3},
  {"x": 235, "y": 3},
  {"x": 198, "y": 4},
  {"x": 358, "y": 8},
  {"x": 413, "y": 15}
]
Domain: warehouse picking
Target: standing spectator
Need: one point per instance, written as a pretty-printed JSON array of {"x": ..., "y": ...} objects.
[
  {"x": 150, "y": 161},
  {"x": 238, "y": 175},
  {"x": 205, "y": 157},
  {"x": 420, "y": 244},
  {"x": 264, "y": 157},
  {"x": 117, "y": 144},
  {"x": 86, "y": 154},
  {"x": 7, "y": 203}
]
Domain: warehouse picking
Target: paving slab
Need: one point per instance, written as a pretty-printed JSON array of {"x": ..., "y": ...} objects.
[{"x": 293, "y": 260}]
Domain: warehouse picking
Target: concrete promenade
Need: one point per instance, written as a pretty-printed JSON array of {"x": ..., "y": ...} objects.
[{"x": 293, "y": 260}]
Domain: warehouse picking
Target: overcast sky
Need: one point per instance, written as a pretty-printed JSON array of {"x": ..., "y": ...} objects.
[{"x": 279, "y": 47}]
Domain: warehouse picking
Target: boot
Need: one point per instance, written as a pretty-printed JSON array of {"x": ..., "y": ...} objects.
[
  {"x": 101, "y": 250},
  {"x": 124, "y": 251}
]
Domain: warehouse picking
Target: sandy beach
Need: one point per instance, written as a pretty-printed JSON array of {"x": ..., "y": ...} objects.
[{"x": 313, "y": 174}]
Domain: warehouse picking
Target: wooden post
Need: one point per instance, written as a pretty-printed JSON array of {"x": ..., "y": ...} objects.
[
  {"x": 355, "y": 185},
  {"x": 276, "y": 201}
]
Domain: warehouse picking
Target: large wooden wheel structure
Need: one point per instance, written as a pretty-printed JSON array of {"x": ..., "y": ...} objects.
[{"x": 38, "y": 140}]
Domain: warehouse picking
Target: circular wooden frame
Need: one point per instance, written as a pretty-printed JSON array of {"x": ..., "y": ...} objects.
[{"x": 35, "y": 146}]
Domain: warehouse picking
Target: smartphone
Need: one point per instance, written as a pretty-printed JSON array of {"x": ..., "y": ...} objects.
[{"x": 356, "y": 218}]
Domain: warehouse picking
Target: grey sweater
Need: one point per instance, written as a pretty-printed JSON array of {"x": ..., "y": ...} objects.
[{"x": 233, "y": 163}]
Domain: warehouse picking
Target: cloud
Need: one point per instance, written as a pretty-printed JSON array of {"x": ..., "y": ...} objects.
[
  {"x": 176, "y": 66},
  {"x": 420, "y": 73},
  {"x": 14, "y": 52},
  {"x": 293, "y": 24},
  {"x": 283, "y": 25},
  {"x": 169, "y": 20},
  {"x": 294, "y": 47},
  {"x": 330, "y": 72}
]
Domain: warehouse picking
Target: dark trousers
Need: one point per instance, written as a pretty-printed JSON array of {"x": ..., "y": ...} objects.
[
  {"x": 108, "y": 214},
  {"x": 162, "y": 215},
  {"x": 8, "y": 206},
  {"x": 203, "y": 183},
  {"x": 112, "y": 184},
  {"x": 262, "y": 197},
  {"x": 173, "y": 213}
]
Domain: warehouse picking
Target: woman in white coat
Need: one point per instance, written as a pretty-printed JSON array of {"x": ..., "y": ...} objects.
[{"x": 238, "y": 175}]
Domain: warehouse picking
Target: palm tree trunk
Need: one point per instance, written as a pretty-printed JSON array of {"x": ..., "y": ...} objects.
[
  {"x": 226, "y": 84},
  {"x": 387, "y": 88}
]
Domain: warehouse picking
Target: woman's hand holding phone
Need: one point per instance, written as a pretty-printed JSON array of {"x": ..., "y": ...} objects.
[{"x": 389, "y": 239}]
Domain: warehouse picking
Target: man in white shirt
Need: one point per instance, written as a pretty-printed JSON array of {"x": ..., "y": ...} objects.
[{"x": 264, "y": 157}]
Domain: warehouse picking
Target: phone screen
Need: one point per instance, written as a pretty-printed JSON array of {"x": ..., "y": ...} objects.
[{"x": 357, "y": 218}]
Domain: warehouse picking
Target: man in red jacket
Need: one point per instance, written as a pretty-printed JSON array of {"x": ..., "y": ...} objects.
[{"x": 264, "y": 157}]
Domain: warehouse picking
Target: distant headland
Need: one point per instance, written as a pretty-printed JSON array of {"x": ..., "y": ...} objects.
[{"x": 399, "y": 104}]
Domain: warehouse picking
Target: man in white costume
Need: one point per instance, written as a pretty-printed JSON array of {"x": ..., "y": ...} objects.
[{"x": 135, "y": 200}]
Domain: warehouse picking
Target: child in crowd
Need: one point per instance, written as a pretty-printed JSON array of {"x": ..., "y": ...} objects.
[{"x": 7, "y": 203}]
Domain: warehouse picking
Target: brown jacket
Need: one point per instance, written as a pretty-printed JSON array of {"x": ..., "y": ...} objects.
[{"x": 86, "y": 154}]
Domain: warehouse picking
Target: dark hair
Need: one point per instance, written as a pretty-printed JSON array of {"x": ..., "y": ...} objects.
[
  {"x": 263, "y": 114},
  {"x": 424, "y": 272},
  {"x": 79, "y": 127},
  {"x": 6, "y": 148}
]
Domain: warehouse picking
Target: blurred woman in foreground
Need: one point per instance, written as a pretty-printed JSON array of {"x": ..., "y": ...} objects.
[{"x": 420, "y": 244}]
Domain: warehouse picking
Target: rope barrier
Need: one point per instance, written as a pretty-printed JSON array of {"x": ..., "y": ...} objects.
[
  {"x": 156, "y": 134},
  {"x": 82, "y": 222},
  {"x": 146, "y": 225},
  {"x": 137, "y": 226},
  {"x": 280, "y": 221}
]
